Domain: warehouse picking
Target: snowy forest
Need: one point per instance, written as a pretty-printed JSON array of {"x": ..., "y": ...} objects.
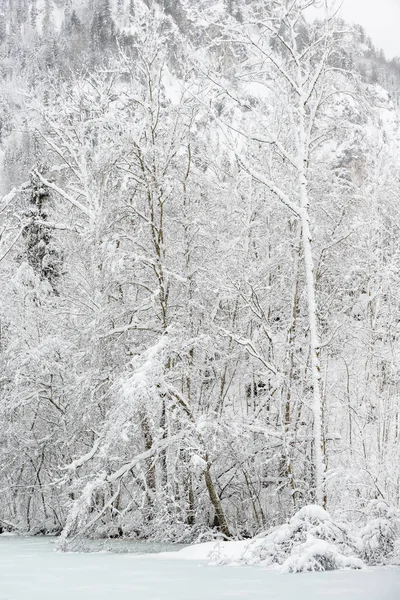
[{"x": 199, "y": 269}]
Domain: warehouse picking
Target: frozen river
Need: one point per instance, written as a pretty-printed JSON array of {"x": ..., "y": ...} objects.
[{"x": 31, "y": 570}]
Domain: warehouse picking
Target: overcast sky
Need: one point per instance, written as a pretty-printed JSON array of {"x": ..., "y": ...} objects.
[{"x": 381, "y": 20}]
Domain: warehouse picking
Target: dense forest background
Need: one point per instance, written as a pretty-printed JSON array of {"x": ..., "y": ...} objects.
[{"x": 199, "y": 267}]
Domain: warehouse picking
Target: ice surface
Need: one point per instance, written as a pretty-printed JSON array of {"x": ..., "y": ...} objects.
[{"x": 31, "y": 570}]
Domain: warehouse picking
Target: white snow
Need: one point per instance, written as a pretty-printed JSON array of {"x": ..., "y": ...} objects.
[
  {"x": 172, "y": 87},
  {"x": 310, "y": 541},
  {"x": 31, "y": 570}
]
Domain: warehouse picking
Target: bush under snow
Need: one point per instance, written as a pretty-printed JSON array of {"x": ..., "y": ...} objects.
[
  {"x": 381, "y": 535},
  {"x": 311, "y": 541}
]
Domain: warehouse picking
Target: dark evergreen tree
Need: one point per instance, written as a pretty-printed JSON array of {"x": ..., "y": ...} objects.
[
  {"x": 103, "y": 27},
  {"x": 41, "y": 253}
]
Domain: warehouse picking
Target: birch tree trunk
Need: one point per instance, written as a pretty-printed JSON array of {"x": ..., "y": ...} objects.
[
  {"x": 315, "y": 344},
  {"x": 300, "y": 71}
]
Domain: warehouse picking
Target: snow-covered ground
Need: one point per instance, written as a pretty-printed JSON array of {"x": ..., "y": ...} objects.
[{"x": 31, "y": 570}]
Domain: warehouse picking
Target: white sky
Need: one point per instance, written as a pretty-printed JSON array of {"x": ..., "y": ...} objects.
[{"x": 380, "y": 19}]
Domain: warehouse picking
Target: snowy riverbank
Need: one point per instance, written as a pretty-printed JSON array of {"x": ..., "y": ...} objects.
[
  {"x": 31, "y": 570},
  {"x": 310, "y": 541}
]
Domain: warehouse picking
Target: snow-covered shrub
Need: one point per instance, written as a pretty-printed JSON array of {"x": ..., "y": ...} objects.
[
  {"x": 319, "y": 555},
  {"x": 311, "y": 541},
  {"x": 381, "y": 535}
]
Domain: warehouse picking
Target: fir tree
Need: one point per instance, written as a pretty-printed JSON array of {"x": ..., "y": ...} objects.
[
  {"x": 40, "y": 252},
  {"x": 102, "y": 27}
]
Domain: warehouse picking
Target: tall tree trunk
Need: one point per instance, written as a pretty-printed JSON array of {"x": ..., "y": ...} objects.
[
  {"x": 315, "y": 344},
  {"x": 215, "y": 501}
]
